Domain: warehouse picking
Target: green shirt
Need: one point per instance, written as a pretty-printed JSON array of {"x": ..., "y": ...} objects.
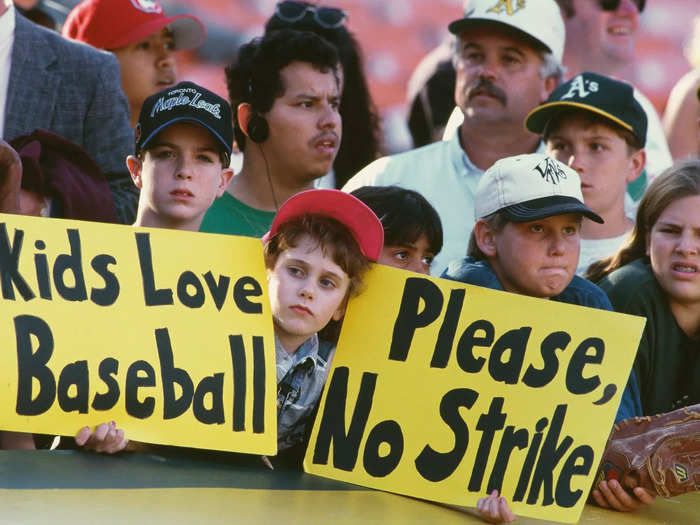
[
  {"x": 230, "y": 216},
  {"x": 667, "y": 364}
]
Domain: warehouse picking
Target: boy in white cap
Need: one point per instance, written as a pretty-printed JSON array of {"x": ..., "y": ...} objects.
[
  {"x": 142, "y": 38},
  {"x": 526, "y": 240}
]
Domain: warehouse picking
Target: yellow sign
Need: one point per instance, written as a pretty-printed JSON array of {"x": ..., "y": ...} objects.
[
  {"x": 167, "y": 333},
  {"x": 445, "y": 391}
]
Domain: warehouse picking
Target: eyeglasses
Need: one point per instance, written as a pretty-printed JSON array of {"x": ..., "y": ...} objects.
[
  {"x": 328, "y": 17},
  {"x": 612, "y": 5}
]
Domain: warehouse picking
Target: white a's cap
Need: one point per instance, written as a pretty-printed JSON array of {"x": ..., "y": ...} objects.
[
  {"x": 538, "y": 20},
  {"x": 530, "y": 187}
]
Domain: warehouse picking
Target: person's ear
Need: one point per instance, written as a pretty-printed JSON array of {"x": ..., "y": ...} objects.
[
  {"x": 244, "y": 114},
  {"x": 226, "y": 176},
  {"x": 485, "y": 238},
  {"x": 340, "y": 311},
  {"x": 549, "y": 84},
  {"x": 135, "y": 165},
  {"x": 637, "y": 161}
]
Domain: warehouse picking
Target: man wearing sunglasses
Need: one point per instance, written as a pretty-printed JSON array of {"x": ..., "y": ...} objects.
[
  {"x": 600, "y": 37},
  {"x": 507, "y": 61}
]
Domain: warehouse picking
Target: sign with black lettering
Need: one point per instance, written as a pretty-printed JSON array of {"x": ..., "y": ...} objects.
[
  {"x": 168, "y": 333},
  {"x": 445, "y": 391}
]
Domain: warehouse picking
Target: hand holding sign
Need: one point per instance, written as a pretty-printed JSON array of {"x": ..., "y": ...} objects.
[
  {"x": 167, "y": 332},
  {"x": 505, "y": 393},
  {"x": 106, "y": 438}
]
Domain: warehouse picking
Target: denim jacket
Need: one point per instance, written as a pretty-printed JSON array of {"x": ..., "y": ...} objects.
[
  {"x": 580, "y": 291},
  {"x": 300, "y": 380}
]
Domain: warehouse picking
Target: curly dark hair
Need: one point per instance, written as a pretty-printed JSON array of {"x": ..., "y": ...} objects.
[
  {"x": 357, "y": 109},
  {"x": 254, "y": 76}
]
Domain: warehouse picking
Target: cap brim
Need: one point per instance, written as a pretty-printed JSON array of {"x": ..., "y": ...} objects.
[
  {"x": 537, "y": 120},
  {"x": 458, "y": 26},
  {"x": 222, "y": 141},
  {"x": 343, "y": 207},
  {"x": 548, "y": 207},
  {"x": 188, "y": 32}
]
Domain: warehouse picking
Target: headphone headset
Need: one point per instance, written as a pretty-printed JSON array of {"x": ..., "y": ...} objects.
[{"x": 258, "y": 128}]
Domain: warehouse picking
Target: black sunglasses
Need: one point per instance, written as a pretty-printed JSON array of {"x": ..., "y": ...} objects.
[
  {"x": 328, "y": 17},
  {"x": 612, "y": 5}
]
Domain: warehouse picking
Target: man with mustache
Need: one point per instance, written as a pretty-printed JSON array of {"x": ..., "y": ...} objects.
[
  {"x": 285, "y": 92},
  {"x": 507, "y": 62}
]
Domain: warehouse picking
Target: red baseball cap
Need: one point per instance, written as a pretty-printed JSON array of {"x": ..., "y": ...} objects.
[
  {"x": 343, "y": 207},
  {"x": 110, "y": 24}
]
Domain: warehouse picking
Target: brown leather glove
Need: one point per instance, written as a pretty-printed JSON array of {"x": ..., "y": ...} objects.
[{"x": 659, "y": 453}]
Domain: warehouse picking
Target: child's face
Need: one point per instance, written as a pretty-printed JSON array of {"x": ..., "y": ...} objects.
[
  {"x": 674, "y": 250},
  {"x": 147, "y": 66},
  {"x": 179, "y": 177},
  {"x": 537, "y": 258},
  {"x": 307, "y": 290},
  {"x": 601, "y": 158},
  {"x": 416, "y": 257}
]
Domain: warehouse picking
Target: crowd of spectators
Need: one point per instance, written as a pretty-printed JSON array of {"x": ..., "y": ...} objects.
[{"x": 538, "y": 172}]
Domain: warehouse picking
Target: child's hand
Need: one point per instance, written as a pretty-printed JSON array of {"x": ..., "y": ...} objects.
[
  {"x": 106, "y": 438},
  {"x": 494, "y": 509},
  {"x": 612, "y": 495}
]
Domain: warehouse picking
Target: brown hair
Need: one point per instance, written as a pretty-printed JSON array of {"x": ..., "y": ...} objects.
[
  {"x": 496, "y": 221},
  {"x": 592, "y": 119},
  {"x": 332, "y": 236},
  {"x": 679, "y": 181}
]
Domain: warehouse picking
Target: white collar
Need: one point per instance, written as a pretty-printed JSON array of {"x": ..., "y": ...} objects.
[{"x": 7, "y": 24}]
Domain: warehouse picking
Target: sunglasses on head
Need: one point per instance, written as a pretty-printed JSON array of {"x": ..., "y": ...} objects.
[
  {"x": 612, "y": 5},
  {"x": 328, "y": 17}
]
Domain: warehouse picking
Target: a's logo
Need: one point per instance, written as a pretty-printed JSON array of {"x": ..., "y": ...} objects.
[
  {"x": 680, "y": 472},
  {"x": 147, "y": 6},
  {"x": 509, "y": 7},
  {"x": 550, "y": 170},
  {"x": 581, "y": 87}
]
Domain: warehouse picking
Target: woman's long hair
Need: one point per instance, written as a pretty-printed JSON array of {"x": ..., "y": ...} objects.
[{"x": 679, "y": 181}]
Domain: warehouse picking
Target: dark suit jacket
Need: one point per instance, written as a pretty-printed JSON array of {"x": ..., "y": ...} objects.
[{"x": 72, "y": 90}]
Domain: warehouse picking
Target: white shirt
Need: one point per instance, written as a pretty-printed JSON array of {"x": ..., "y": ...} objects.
[
  {"x": 7, "y": 38},
  {"x": 656, "y": 147},
  {"x": 444, "y": 175},
  {"x": 593, "y": 250}
]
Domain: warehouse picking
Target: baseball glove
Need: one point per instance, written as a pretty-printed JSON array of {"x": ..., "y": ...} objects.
[{"x": 659, "y": 453}]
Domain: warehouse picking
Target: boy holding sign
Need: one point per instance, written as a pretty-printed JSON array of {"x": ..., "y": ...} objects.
[
  {"x": 318, "y": 248},
  {"x": 526, "y": 240},
  {"x": 183, "y": 148}
]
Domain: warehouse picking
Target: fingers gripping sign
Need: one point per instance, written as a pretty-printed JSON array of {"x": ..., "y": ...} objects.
[{"x": 106, "y": 438}]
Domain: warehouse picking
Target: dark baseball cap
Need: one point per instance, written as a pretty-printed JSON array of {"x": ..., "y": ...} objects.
[
  {"x": 598, "y": 94},
  {"x": 185, "y": 102}
]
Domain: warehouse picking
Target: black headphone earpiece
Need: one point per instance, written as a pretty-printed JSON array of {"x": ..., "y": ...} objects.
[{"x": 258, "y": 128}]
